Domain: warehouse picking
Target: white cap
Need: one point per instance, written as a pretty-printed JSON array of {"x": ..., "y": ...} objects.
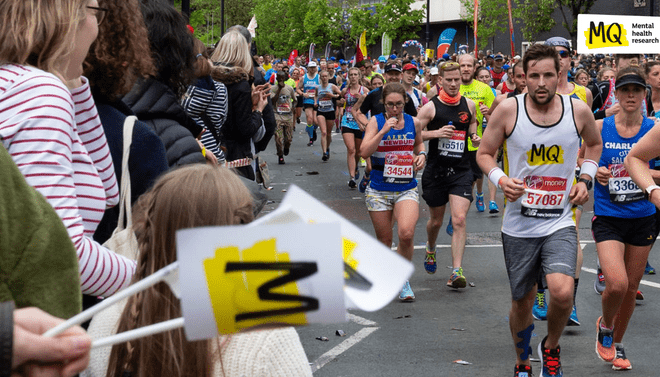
[
  {"x": 434, "y": 71},
  {"x": 311, "y": 64}
]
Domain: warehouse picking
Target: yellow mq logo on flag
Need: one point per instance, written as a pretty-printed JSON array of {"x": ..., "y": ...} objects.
[{"x": 601, "y": 35}]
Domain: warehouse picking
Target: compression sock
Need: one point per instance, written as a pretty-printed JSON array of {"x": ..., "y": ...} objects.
[{"x": 526, "y": 336}]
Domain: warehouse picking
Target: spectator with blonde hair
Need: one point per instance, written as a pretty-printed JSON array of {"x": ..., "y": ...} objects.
[
  {"x": 244, "y": 125},
  {"x": 51, "y": 129}
]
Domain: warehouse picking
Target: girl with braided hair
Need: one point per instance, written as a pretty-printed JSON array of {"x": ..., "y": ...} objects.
[{"x": 177, "y": 202}]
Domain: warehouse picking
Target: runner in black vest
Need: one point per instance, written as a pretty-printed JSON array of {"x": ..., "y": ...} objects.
[{"x": 448, "y": 120}]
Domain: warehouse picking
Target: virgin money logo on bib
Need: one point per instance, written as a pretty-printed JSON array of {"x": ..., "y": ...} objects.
[{"x": 536, "y": 182}]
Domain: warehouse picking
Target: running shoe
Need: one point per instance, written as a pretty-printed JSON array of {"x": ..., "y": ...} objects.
[
  {"x": 480, "y": 202},
  {"x": 604, "y": 343},
  {"x": 457, "y": 280},
  {"x": 523, "y": 371},
  {"x": 406, "y": 294},
  {"x": 649, "y": 270},
  {"x": 640, "y": 296},
  {"x": 430, "y": 265},
  {"x": 352, "y": 184},
  {"x": 311, "y": 142},
  {"x": 325, "y": 157},
  {"x": 450, "y": 228},
  {"x": 550, "y": 360},
  {"x": 364, "y": 183},
  {"x": 492, "y": 207},
  {"x": 540, "y": 310},
  {"x": 599, "y": 284},
  {"x": 573, "y": 319},
  {"x": 620, "y": 361}
]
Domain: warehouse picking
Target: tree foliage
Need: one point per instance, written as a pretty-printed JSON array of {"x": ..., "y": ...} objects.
[
  {"x": 284, "y": 25},
  {"x": 492, "y": 18},
  {"x": 575, "y": 7},
  {"x": 535, "y": 16}
]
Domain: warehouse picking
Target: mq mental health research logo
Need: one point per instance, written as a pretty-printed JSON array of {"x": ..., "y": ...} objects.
[{"x": 611, "y": 34}]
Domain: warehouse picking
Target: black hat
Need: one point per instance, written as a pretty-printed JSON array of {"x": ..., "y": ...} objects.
[
  {"x": 632, "y": 78},
  {"x": 393, "y": 67}
]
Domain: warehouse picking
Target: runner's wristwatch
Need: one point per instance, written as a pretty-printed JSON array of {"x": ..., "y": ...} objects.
[
  {"x": 648, "y": 190},
  {"x": 587, "y": 182}
]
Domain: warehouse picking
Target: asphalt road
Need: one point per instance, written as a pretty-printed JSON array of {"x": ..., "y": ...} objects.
[{"x": 443, "y": 325}]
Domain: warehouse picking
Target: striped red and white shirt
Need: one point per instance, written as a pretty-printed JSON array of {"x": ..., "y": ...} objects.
[{"x": 56, "y": 139}]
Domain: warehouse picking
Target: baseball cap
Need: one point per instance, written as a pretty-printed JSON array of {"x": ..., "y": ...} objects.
[
  {"x": 410, "y": 66},
  {"x": 312, "y": 64},
  {"x": 558, "y": 41},
  {"x": 630, "y": 79},
  {"x": 332, "y": 58},
  {"x": 434, "y": 71},
  {"x": 392, "y": 67},
  {"x": 382, "y": 59},
  {"x": 445, "y": 56},
  {"x": 498, "y": 57}
]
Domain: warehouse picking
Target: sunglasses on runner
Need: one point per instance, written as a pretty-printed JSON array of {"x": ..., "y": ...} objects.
[{"x": 563, "y": 54}]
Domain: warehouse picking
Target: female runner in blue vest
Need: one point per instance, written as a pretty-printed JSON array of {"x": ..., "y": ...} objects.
[
  {"x": 394, "y": 142},
  {"x": 624, "y": 222}
]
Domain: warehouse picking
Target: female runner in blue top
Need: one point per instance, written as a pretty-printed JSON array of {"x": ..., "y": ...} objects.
[
  {"x": 624, "y": 222},
  {"x": 394, "y": 142}
]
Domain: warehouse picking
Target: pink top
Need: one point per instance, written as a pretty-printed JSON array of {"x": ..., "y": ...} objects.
[{"x": 56, "y": 139}]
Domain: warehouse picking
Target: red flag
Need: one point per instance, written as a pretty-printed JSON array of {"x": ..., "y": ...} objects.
[{"x": 292, "y": 57}]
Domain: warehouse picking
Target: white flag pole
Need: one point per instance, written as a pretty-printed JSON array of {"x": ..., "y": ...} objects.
[
  {"x": 168, "y": 274},
  {"x": 139, "y": 333}
]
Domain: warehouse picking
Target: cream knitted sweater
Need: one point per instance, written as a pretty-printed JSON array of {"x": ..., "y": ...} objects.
[{"x": 251, "y": 354}]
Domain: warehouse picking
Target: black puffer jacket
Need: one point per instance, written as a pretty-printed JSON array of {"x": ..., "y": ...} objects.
[
  {"x": 156, "y": 104},
  {"x": 243, "y": 125}
]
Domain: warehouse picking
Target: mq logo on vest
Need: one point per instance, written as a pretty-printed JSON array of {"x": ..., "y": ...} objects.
[{"x": 610, "y": 34}]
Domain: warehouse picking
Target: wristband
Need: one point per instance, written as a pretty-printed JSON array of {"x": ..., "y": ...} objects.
[
  {"x": 204, "y": 152},
  {"x": 495, "y": 174},
  {"x": 6, "y": 337},
  {"x": 422, "y": 153},
  {"x": 589, "y": 167}
]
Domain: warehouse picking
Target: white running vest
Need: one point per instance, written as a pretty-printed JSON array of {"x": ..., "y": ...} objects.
[{"x": 544, "y": 158}]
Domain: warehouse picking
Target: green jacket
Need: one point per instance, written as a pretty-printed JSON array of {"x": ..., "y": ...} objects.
[{"x": 38, "y": 262}]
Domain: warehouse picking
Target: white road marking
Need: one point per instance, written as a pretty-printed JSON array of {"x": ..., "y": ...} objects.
[
  {"x": 361, "y": 321},
  {"x": 342, "y": 347},
  {"x": 348, "y": 343},
  {"x": 421, "y": 247},
  {"x": 582, "y": 244}
]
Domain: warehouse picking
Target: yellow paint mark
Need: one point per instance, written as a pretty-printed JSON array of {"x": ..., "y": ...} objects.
[{"x": 348, "y": 247}]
